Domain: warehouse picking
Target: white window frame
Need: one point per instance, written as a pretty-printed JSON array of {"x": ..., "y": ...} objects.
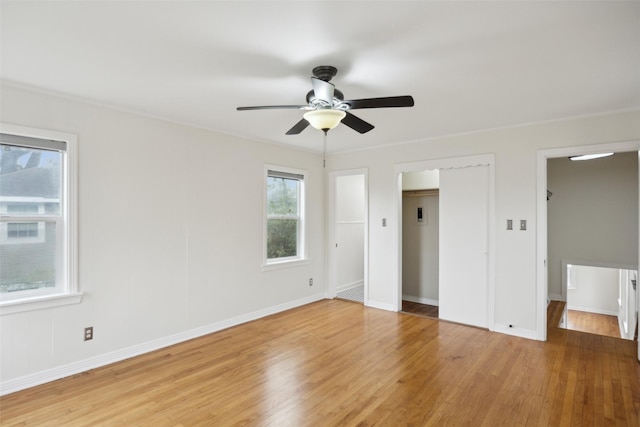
[
  {"x": 66, "y": 290},
  {"x": 301, "y": 257}
]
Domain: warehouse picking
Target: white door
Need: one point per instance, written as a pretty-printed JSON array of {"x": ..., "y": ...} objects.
[{"x": 464, "y": 207}]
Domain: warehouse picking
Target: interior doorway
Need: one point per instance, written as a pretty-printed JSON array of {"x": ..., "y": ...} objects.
[
  {"x": 593, "y": 217},
  {"x": 547, "y": 287},
  {"x": 420, "y": 247},
  {"x": 348, "y": 233}
]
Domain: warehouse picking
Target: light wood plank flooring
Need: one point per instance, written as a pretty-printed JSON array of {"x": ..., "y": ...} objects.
[
  {"x": 593, "y": 323},
  {"x": 334, "y": 363}
]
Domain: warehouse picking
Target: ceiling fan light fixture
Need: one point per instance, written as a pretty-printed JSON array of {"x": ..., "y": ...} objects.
[{"x": 325, "y": 119}]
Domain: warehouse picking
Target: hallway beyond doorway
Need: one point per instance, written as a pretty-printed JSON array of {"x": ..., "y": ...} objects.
[{"x": 354, "y": 294}]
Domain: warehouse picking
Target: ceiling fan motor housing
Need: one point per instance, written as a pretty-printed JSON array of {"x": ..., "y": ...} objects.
[
  {"x": 336, "y": 95},
  {"x": 325, "y": 72}
]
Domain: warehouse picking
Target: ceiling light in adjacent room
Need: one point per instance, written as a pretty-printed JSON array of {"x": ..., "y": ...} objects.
[{"x": 590, "y": 156}]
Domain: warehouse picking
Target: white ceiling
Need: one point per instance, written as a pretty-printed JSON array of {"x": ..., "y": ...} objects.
[{"x": 469, "y": 65}]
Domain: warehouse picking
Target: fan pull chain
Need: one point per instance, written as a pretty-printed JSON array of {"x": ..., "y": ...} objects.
[{"x": 324, "y": 150}]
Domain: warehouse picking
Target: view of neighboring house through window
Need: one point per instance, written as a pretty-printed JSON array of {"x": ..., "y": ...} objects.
[
  {"x": 284, "y": 230},
  {"x": 16, "y": 230},
  {"x": 33, "y": 246}
]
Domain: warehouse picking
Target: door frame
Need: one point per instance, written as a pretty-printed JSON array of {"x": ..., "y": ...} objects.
[
  {"x": 541, "y": 218},
  {"x": 446, "y": 163},
  {"x": 332, "y": 265}
]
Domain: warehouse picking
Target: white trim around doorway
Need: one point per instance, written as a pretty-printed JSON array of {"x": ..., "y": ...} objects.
[
  {"x": 446, "y": 163},
  {"x": 542, "y": 297}
]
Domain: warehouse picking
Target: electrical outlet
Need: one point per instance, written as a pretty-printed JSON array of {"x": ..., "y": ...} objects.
[
  {"x": 311, "y": 281},
  {"x": 88, "y": 333}
]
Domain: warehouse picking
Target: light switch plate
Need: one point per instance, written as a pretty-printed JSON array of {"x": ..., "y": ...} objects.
[{"x": 523, "y": 224}]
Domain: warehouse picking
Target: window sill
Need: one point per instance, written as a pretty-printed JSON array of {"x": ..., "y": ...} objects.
[
  {"x": 38, "y": 303},
  {"x": 285, "y": 264}
]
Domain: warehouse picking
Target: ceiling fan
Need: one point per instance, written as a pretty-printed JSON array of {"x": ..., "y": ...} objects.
[{"x": 326, "y": 106}]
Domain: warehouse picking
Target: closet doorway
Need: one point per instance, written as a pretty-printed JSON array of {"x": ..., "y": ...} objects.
[
  {"x": 466, "y": 244},
  {"x": 420, "y": 249},
  {"x": 348, "y": 236}
]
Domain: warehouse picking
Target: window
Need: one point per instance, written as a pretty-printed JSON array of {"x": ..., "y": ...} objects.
[
  {"x": 37, "y": 219},
  {"x": 284, "y": 225}
]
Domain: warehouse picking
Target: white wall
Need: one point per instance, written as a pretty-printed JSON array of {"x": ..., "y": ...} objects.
[
  {"x": 594, "y": 289},
  {"x": 592, "y": 214},
  {"x": 420, "y": 249},
  {"x": 350, "y": 231},
  {"x": 515, "y": 197},
  {"x": 170, "y": 238}
]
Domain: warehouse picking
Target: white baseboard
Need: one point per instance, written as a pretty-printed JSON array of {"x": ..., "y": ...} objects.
[
  {"x": 515, "y": 331},
  {"x": 624, "y": 332},
  {"x": 348, "y": 286},
  {"x": 592, "y": 310},
  {"x": 555, "y": 297},
  {"x": 380, "y": 305},
  {"x": 421, "y": 300},
  {"x": 32, "y": 380}
]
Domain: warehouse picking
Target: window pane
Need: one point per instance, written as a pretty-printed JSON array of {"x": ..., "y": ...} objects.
[
  {"x": 22, "y": 229},
  {"x": 282, "y": 196},
  {"x": 282, "y": 238},
  {"x": 25, "y": 264},
  {"x": 33, "y": 175},
  {"x": 23, "y": 208}
]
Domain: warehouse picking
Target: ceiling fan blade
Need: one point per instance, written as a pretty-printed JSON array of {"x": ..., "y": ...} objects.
[
  {"x": 356, "y": 123},
  {"x": 323, "y": 90},
  {"x": 298, "y": 127},
  {"x": 273, "y": 107},
  {"x": 389, "y": 101}
]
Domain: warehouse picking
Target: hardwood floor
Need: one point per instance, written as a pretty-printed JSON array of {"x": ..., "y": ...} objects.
[
  {"x": 599, "y": 324},
  {"x": 335, "y": 363},
  {"x": 420, "y": 309}
]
